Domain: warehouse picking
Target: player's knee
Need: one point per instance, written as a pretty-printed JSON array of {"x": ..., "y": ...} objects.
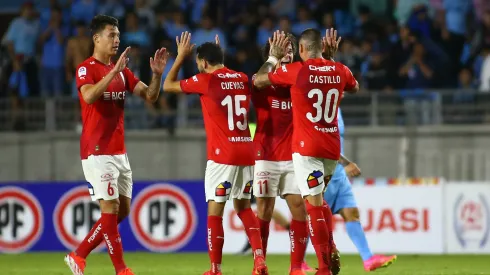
[
  {"x": 316, "y": 200},
  {"x": 241, "y": 205},
  {"x": 265, "y": 208},
  {"x": 351, "y": 214},
  {"x": 297, "y": 207},
  {"x": 216, "y": 208},
  {"x": 110, "y": 206},
  {"x": 123, "y": 213},
  {"x": 124, "y": 208}
]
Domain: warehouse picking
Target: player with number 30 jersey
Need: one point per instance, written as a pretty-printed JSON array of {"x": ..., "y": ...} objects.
[
  {"x": 317, "y": 85},
  {"x": 225, "y": 99}
]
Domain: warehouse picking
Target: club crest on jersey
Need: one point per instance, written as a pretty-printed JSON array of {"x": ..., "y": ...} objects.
[
  {"x": 82, "y": 71},
  {"x": 314, "y": 179},
  {"x": 248, "y": 188},
  {"x": 223, "y": 189}
]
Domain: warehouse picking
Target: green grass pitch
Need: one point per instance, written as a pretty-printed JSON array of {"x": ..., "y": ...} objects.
[{"x": 196, "y": 264}]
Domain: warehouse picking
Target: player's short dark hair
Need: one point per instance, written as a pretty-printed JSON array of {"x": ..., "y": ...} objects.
[
  {"x": 294, "y": 43},
  {"x": 313, "y": 39},
  {"x": 211, "y": 52},
  {"x": 99, "y": 22}
]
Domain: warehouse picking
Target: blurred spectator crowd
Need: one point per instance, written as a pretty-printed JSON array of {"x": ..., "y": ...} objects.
[{"x": 404, "y": 47}]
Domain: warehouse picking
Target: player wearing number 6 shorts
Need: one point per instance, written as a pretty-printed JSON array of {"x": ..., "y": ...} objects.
[
  {"x": 317, "y": 85},
  {"x": 102, "y": 88},
  {"x": 225, "y": 100},
  {"x": 274, "y": 172}
]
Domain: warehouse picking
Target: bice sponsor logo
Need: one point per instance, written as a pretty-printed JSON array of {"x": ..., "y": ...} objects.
[
  {"x": 163, "y": 218},
  {"x": 21, "y": 220},
  {"x": 114, "y": 95},
  {"x": 283, "y": 105},
  {"x": 74, "y": 216},
  {"x": 471, "y": 220}
]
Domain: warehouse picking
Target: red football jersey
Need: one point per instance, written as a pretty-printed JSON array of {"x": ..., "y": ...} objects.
[
  {"x": 274, "y": 132},
  {"x": 103, "y": 120},
  {"x": 317, "y": 86},
  {"x": 225, "y": 100}
]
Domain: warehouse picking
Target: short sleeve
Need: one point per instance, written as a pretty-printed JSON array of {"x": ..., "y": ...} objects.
[
  {"x": 197, "y": 84},
  {"x": 350, "y": 80},
  {"x": 84, "y": 76},
  {"x": 286, "y": 75},
  {"x": 131, "y": 79}
]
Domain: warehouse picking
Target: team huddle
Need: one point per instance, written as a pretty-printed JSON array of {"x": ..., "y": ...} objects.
[{"x": 296, "y": 161}]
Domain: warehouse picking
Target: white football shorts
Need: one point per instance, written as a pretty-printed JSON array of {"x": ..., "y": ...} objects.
[
  {"x": 274, "y": 178},
  {"x": 108, "y": 176},
  {"x": 311, "y": 173},
  {"x": 223, "y": 181}
]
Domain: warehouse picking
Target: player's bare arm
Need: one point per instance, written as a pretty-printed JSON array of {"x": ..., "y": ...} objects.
[
  {"x": 184, "y": 49},
  {"x": 330, "y": 44},
  {"x": 350, "y": 167},
  {"x": 279, "y": 43},
  {"x": 157, "y": 63},
  {"x": 92, "y": 92}
]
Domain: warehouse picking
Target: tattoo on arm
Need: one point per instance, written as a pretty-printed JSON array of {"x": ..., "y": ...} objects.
[
  {"x": 266, "y": 68},
  {"x": 154, "y": 88},
  {"x": 344, "y": 161}
]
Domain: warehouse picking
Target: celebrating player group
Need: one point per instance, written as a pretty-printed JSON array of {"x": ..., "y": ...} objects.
[{"x": 294, "y": 161}]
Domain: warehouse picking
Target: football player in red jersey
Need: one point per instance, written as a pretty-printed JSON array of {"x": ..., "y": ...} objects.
[
  {"x": 225, "y": 100},
  {"x": 317, "y": 85},
  {"x": 102, "y": 87},
  {"x": 273, "y": 171}
]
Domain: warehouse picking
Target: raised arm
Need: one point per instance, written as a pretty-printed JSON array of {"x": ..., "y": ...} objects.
[
  {"x": 184, "y": 48},
  {"x": 157, "y": 63},
  {"x": 279, "y": 44}
]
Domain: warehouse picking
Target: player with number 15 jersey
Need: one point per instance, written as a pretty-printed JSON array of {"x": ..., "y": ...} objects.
[{"x": 225, "y": 100}]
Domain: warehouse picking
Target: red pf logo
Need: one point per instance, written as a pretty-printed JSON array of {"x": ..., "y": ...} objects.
[
  {"x": 163, "y": 218},
  {"x": 74, "y": 215},
  {"x": 21, "y": 220}
]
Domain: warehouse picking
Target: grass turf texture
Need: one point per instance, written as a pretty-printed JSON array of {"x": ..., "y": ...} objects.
[{"x": 196, "y": 264}]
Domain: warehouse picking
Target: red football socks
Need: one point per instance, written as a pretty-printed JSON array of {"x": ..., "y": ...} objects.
[
  {"x": 92, "y": 240},
  {"x": 112, "y": 240},
  {"x": 327, "y": 213},
  {"x": 252, "y": 229},
  {"x": 298, "y": 235},
  {"x": 216, "y": 239},
  {"x": 264, "y": 234},
  {"x": 319, "y": 235}
]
